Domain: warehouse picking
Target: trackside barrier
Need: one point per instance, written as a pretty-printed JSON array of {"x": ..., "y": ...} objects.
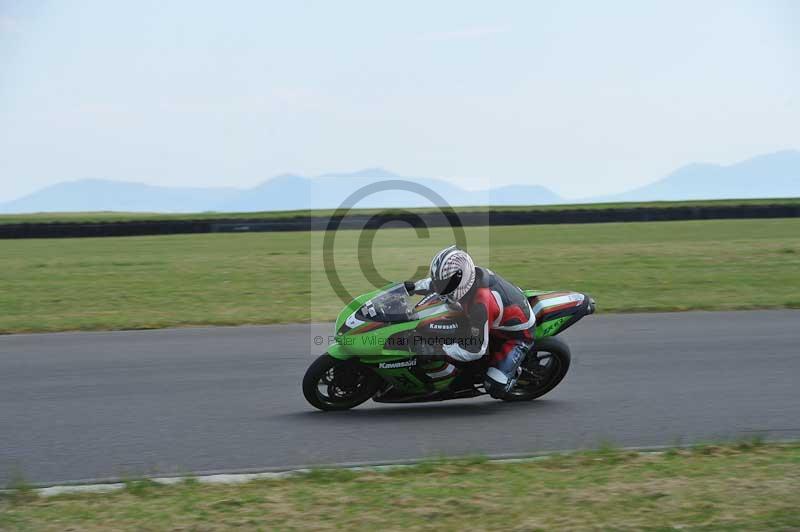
[{"x": 357, "y": 221}]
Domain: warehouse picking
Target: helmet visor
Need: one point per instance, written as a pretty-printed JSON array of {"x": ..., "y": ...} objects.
[{"x": 445, "y": 286}]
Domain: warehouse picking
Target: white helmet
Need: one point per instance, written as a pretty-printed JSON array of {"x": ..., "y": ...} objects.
[{"x": 452, "y": 273}]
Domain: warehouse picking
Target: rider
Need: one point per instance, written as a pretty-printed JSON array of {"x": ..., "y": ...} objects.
[{"x": 500, "y": 317}]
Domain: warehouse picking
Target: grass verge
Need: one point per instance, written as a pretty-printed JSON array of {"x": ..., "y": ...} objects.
[
  {"x": 748, "y": 486},
  {"x": 256, "y": 278}
]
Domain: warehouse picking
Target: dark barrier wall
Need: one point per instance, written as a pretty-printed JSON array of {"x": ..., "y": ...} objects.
[{"x": 357, "y": 221}]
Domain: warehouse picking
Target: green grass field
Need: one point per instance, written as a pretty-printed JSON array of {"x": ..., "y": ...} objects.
[
  {"x": 734, "y": 487},
  {"x": 271, "y": 215},
  {"x": 227, "y": 279}
]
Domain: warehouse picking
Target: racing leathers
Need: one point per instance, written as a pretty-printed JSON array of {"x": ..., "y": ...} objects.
[{"x": 501, "y": 323}]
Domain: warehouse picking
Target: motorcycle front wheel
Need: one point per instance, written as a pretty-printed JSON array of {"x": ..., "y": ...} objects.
[
  {"x": 542, "y": 370},
  {"x": 333, "y": 384}
]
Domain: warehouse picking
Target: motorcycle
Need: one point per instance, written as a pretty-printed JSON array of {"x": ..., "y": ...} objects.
[{"x": 384, "y": 348}]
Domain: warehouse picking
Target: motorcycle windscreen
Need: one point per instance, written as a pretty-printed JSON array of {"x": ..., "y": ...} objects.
[{"x": 391, "y": 305}]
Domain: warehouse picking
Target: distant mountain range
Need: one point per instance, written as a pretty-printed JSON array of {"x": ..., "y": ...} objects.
[
  {"x": 283, "y": 192},
  {"x": 774, "y": 175},
  {"x": 771, "y": 175}
]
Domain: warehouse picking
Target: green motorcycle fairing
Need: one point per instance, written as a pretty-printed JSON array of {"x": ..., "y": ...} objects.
[{"x": 363, "y": 329}]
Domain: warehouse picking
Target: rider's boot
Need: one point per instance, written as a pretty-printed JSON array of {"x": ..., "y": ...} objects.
[{"x": 502, "y": 375}]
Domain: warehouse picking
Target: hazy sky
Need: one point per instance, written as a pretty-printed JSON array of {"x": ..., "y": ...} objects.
[{"x": 584, "y": 97}]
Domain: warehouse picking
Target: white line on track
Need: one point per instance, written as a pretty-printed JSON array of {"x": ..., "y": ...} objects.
[{"x": 241, "y": 478}]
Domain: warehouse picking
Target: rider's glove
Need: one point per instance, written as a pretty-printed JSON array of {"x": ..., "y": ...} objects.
[{"x": 410, "y": 286}]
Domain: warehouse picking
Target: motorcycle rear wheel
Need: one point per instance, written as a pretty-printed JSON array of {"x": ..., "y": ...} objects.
[
  {"x": 543, "y": 369},
  {"x": 333, "y": 384}
]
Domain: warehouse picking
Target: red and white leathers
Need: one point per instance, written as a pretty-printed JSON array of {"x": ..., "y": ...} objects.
[{"x": 501, "y": 323}]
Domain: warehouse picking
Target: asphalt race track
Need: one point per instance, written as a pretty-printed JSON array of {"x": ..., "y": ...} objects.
[{"x": 97, "y": 405}]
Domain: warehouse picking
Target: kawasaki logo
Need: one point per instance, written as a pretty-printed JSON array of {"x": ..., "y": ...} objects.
[
  {"x": 403, "y": 364},
  {"x": 444, "y": 327}
]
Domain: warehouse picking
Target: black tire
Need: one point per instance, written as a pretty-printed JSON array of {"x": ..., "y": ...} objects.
[
  {"x": 537, "y": 379},
  {"x": 347, "y": 383}
]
